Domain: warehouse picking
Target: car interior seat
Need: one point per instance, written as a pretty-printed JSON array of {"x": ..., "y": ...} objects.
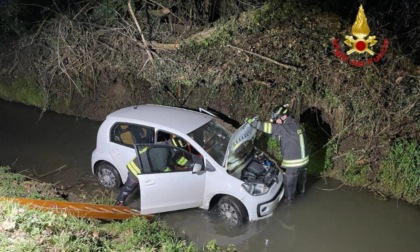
[{"x": 126, "y": 135}]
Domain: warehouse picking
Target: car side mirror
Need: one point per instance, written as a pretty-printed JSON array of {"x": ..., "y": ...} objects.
[{"x": 197, "y": 168}]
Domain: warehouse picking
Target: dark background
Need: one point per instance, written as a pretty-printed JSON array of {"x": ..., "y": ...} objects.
[{"x": 396, "y": 20}]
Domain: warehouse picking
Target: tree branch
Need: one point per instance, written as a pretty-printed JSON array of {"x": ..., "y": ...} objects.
[
  {"x": 141, "y": 33},
  {"x": 265, "y": 58}
]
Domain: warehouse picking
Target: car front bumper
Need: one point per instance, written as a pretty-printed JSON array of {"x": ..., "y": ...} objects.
[
  {"x": 265, "y": 206},
  {"x": 266, "y": 209}
]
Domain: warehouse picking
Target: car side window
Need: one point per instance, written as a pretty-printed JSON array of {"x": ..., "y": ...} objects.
[
  {"x": 163, "y": 158},
  {"x": 164, "y": 137},
  {"x": 130, "y": 134}
]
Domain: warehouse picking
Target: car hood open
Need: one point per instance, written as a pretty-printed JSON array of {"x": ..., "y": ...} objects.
[{"x": 241, "y": 144}]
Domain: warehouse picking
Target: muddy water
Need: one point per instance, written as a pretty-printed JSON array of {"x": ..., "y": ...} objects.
[
  {"x": 329, "y": 217},
  {"x": 54, "y": 148}
]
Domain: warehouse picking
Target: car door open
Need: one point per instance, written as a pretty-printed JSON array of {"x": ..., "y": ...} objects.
[{"x": 166, "y": 183}]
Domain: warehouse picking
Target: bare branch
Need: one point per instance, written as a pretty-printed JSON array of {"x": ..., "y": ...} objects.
[
  {"x": 141, "y": 33},
  {"x": 265, "y": 58}
]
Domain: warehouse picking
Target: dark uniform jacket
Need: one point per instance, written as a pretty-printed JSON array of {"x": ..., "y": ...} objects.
[{"x": 292, "y": 140}]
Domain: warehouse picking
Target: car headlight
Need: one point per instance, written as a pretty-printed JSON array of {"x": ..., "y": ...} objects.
[{"x": 255, "y": 189}]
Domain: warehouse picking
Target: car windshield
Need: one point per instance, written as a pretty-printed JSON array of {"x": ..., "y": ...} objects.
[
  {"x": 227, "y": 149},
  {"x": 214, "y": 139}
]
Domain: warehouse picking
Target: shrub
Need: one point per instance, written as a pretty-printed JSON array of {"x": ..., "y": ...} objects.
[{"x": 400, "y": 172}]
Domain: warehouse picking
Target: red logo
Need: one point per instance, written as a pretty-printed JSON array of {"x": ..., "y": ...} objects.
[{"x": 361, "y": 43}]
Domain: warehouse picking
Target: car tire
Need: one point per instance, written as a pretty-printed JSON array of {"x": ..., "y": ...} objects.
[
  {"x": 232, "y": 210},
  {"x": 108, "y": 176}
]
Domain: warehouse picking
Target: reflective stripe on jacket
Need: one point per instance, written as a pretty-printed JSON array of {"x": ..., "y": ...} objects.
[
  {"x": 303, "y": 160},
  {"x": 177, "y": 142},
  {"x": 182, "y": 161},
  {"x": 292, "y": 141},
  {"x": 134, "y": 165}
]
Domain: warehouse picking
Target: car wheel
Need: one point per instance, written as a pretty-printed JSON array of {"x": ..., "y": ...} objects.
[
  {"x": 108, "y": 176},
  {"x": 232, "y": 210}
]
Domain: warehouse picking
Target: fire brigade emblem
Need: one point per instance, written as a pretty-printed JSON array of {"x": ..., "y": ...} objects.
[
  {"x": 360, "y": 31},
  {"x": 360, "y": 42}
]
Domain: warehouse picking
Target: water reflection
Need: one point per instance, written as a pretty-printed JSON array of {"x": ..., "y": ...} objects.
[
  {"x": 329, "y": 218},
  {"x": 52, "y": 147},
  {"x": 202, "y": 226}
]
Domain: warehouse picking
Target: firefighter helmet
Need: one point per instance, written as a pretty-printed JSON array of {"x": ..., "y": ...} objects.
[{"x": 279, "y": 111}]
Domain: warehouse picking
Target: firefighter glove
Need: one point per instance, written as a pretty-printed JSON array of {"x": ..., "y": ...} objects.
[{"x": 252, "y": 121}]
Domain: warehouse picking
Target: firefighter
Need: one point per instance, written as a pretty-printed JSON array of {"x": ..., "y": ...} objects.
[
  {"x": 292, "y": 141},
  {"x": 177, "y": 141},
  {"x": 164, "y": 159},
  {"x": 131, "y": 184},
  {"x": 161, "y": 157},
  {"x": 181, "y": 163}
]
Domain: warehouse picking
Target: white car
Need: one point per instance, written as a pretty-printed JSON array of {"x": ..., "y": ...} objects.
[{"x": 226, "y": 171}]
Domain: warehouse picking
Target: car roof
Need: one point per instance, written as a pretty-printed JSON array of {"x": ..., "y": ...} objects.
[{"x": 180, "y": 119}]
